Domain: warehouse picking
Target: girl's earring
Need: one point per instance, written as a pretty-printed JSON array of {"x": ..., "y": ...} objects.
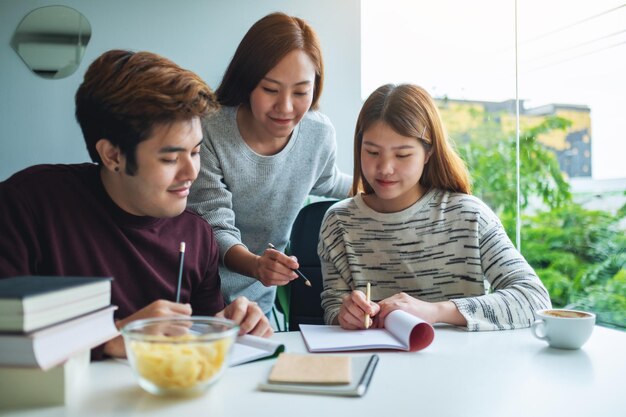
[{"x": 117, "y": 169}]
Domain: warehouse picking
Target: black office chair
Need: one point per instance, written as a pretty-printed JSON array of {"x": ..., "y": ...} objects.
[{"x": 304, "y": 302}]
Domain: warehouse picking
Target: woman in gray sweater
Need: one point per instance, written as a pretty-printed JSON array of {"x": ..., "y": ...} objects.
[{"x": 263, "y": 153}]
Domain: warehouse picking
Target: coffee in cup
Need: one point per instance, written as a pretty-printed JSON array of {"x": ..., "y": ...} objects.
[
  {"x": 564, "y": 329},
  {"x": 567, "y": 314}
]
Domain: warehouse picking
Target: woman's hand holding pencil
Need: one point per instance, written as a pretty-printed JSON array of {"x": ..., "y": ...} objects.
[
  {"x": 357, "y": 310},
  {"x": 275, "y": 268},
  {"x": 296, "y": 270}
]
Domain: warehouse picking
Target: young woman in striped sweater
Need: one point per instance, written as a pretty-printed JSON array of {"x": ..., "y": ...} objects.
[{"x": 415, "y": 233}]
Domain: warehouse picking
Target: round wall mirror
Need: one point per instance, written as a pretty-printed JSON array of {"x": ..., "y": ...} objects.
[{"x": 52, "y": 40}]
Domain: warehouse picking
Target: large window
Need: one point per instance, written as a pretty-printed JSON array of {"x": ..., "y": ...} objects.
[{"x": 555, "y": 70}]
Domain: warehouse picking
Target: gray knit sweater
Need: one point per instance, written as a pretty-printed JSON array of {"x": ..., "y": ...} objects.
[
  {"x": 252, "y": 199},
  {"x": 444, "y": 247}
]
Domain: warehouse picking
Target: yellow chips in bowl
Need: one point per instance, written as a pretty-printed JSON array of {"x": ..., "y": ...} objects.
[
  {"x": 179, "y": 365},
  {"x": 178, "y": 355}
]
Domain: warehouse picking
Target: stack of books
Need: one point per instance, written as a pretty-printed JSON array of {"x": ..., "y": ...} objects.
[{"x": 48, "y": 325}]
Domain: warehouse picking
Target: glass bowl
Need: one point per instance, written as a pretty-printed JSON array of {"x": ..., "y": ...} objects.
[{"x": 179, "y": 356}]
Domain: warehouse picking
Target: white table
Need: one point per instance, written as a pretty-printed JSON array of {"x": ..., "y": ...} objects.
[{"x": 502, "y": 374}]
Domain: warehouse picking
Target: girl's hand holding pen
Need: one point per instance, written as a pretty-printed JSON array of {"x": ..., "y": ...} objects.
[
  {"x": 275, "y": 268},
  {"x": 354, "y": 307}
]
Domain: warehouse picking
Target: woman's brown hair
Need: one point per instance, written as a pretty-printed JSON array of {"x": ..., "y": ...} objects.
[
  {"x": 125, "y": 94},
  {"x": 410, "y": 111},
  {"x": 261, "y": 49}
]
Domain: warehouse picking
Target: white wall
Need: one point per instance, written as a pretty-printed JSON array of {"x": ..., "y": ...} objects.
[{"x": 37, "y": 122}]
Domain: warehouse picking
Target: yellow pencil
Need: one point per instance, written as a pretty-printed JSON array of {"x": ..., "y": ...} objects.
[{"x": 367, "y": 297}]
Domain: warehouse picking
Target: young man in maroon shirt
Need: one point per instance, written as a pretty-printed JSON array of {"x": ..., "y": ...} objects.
[{"x": 124, "y": 215}]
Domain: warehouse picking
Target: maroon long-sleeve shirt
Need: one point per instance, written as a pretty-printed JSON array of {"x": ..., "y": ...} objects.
[{"x": 59, "y": 220}]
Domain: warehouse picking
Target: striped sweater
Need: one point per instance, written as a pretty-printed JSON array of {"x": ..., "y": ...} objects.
[{"x": 446, "y": 246}]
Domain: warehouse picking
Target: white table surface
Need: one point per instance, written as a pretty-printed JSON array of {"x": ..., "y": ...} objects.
[{"x": 508, "y": 373}]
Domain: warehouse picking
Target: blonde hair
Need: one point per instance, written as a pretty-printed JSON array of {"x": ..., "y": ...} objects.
[{"x": 410, "y": 111}]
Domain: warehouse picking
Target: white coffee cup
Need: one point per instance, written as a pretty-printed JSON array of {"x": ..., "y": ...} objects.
[{"x": 564, "y": 329}]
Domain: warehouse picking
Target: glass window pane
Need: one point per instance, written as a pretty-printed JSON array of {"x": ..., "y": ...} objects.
[{"x": 572, "y": 61}]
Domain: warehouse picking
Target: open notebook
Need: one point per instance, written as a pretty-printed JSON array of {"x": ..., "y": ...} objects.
[{"x": 402, "y": 331}]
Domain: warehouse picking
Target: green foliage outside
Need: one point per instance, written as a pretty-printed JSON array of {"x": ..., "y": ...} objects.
[{"x": 579, "y": 254}]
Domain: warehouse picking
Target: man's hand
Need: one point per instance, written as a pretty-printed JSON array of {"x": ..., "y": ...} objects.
[
  {"x": 248, "y": 316},
  {"x": 159, "y": 308}
]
